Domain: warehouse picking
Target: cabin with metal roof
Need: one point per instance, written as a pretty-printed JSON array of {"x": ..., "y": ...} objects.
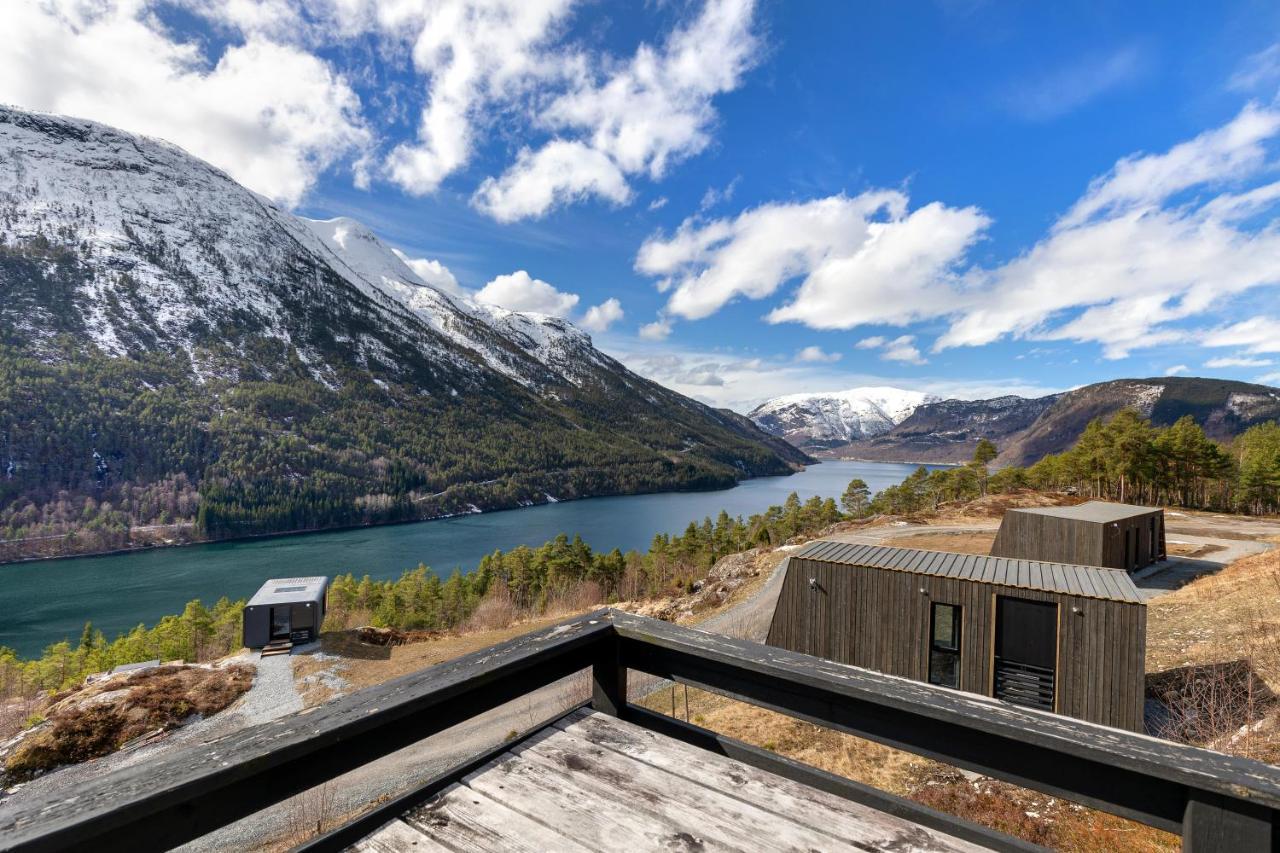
[
  {"x": 285, "y": 611},
  {"x": 1059, "y": 637},
  {"x": 1097, "y": 533}
]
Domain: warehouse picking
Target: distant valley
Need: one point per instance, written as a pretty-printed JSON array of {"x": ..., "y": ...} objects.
[{"x": 918, "y": 428}]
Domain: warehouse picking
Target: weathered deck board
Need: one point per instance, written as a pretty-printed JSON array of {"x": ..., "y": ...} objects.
[
  {"x": 852, "y": 822},
  {"x": 465, "y": 819},
  {"x": 595, "y": 782}
]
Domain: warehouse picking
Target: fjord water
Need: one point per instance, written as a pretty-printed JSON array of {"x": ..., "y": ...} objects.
[{"x": 44, "y": 602}]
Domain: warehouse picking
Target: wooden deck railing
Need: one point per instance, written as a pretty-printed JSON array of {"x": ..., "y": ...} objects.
[{"x": 1216, "y": 802}]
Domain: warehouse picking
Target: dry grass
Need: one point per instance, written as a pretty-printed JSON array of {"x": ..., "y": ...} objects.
[
  {"x": 1228, "y": 615},
  {"x": 1026, "y": 814},
  {"x": 99, "y": 719},
  {"x": 962, "y": 543},
  {"x": 365, "y": 665}
]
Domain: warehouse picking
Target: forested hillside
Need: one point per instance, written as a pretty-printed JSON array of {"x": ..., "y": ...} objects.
[
  {"x": 173, "y": 349},
  {"x": 1123, "y": 458}
]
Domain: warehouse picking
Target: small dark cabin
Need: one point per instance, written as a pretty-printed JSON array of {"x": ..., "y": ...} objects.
[
  {"x": 1097, "y": 533},
  {"x": 289, "y": 609},
  {"x": 1062, "y": 638}
]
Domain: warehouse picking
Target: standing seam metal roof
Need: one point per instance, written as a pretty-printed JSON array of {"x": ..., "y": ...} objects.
[
  {"x": 1084, "y": 581},
  {"x": 289, "y": 590}
]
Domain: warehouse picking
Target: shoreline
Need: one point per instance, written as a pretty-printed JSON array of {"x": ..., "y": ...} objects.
[{"x": 255, "y": 537}]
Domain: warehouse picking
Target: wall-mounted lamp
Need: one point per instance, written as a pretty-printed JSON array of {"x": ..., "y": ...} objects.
[
  {"x": 1079, "y": 611},
  {"x": 813, "y": 583},
  {"x": 924, "y": 591}
]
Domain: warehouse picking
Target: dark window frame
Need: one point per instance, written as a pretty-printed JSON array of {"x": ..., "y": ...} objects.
[{"x": 940, "y": 650}]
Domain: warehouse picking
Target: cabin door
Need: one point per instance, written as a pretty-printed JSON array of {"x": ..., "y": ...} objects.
[
  {"x": 281, "y": 622},
  {"x": 1026, "y": 652}
]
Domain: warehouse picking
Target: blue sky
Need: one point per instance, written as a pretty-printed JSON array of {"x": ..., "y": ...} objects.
[{"x": 744, "y": 199}]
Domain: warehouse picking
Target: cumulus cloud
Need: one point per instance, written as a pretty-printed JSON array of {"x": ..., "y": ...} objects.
[
  {"x": 619, "y": 119},
  {"x": 901, "y": 348},
  {"x": 658, "y": 330},
  {"x": 476, "y": 54},
  {"x": 1176, "y": 369},
  {"x": 861, "y": 259},
  {"x": 600, "y": 317},
  {"x": 270, "y": 114},
  {"x": 433, "y": 273},
  {"x": 817, "y": 354},
  {"x": 558, "y": 173},
  {"x": 1136, "y": 254},
  {"x": 520, "y": 291}
]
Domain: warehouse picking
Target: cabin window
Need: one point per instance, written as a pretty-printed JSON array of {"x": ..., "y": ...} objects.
[{"x": 944, "y": 645}]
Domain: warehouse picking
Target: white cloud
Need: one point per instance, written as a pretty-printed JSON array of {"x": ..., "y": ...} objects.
[
  {"x": 743, "y": 381},
  {"x": 1176, "y": 369},
  {"x": 901, "y": 348},
  {"x": 1269, "y": 379},
  {"x": 713, "y": 196},
  {"x": 1237, "y": 361},
  {"x": 636, "y": 117},
  {"x": 1064, "y": 89},
  {"x": 476, "y": 54},
  {"x": 817, "y": 354},
  {"x": 519, "y": 291},
  {"x": 556, "y": 174},
  {"x": 600, "y": 317},
  {"x": 658, "y": 203},
  {"x": 270, "y": 114},
  {"x": 1256, "y": 335},
  {"x": 1134, "y": 256},
  {"x": 433, "y": 273},
  {"x": 1257, "y": 70},
  {"x": 863, "y": 259},
  {"x": 658, "y": 330}
]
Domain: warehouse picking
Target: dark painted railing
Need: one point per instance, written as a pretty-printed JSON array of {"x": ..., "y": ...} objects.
[{"x": 1216, "y": 802}]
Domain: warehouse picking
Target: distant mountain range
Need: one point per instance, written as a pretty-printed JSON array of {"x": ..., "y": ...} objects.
[
  {"x": 1025, "y": 429},
  {"x": 823, "y": 421},
  {"x": 164, "y": 331}
]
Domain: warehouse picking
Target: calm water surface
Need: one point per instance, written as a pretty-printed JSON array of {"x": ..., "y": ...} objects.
[{"x": 43, "y": 602}]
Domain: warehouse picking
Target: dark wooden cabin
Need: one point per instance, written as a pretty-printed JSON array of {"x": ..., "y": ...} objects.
[
  {"x": 1063, "y": 638},
  {"x": 1097, "y": 533},
  {"x": 285, "y": 611}
]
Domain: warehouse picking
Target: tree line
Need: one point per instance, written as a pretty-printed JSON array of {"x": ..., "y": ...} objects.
[{"x": 1124, "y": 458}]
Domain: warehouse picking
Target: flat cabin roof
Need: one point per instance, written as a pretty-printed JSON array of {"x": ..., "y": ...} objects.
[
  {"x": 1101, "y": 512},
  {"x": 289, "y": 590},
  {"x": 1083, "y": 581}
]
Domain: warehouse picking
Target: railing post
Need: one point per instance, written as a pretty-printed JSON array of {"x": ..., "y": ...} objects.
[
  {"x": 609, "y": 678},
  {"x": 1214, "y": 822}
]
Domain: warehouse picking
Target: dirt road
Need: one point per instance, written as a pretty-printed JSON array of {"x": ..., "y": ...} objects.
[{"x": 1233, "y": 537}]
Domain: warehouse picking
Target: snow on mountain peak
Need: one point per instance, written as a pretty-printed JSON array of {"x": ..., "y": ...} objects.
[
  {"x": 837, "y": 417},
  {"x": 175, "y": 250}
]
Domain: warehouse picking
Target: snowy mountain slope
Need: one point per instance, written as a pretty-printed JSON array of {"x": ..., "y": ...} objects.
[
  {"x": 299, "y": 370},
  {"x": 823, "y": 420}
]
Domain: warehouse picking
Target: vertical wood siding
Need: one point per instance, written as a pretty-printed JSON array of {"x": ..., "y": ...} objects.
[
  {"x": 879, "y": 619},
  {"x": 1034, "y": 536}
]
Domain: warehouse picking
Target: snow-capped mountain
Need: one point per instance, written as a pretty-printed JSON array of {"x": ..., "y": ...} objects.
[
  {"x": 124, "y": 256},
  {"x": 838, "y": 417}
]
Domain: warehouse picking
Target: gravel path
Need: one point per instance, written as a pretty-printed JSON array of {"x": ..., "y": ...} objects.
[{"x": 272, "y": 695}]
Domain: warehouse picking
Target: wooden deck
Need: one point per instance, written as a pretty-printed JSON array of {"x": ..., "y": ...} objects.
[{"x": 594, "y": 782}]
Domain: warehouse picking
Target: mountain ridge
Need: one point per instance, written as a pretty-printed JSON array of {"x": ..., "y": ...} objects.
[
  {"x": 168, "y": 332},
  {"x": 1026, "y": 429}
]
